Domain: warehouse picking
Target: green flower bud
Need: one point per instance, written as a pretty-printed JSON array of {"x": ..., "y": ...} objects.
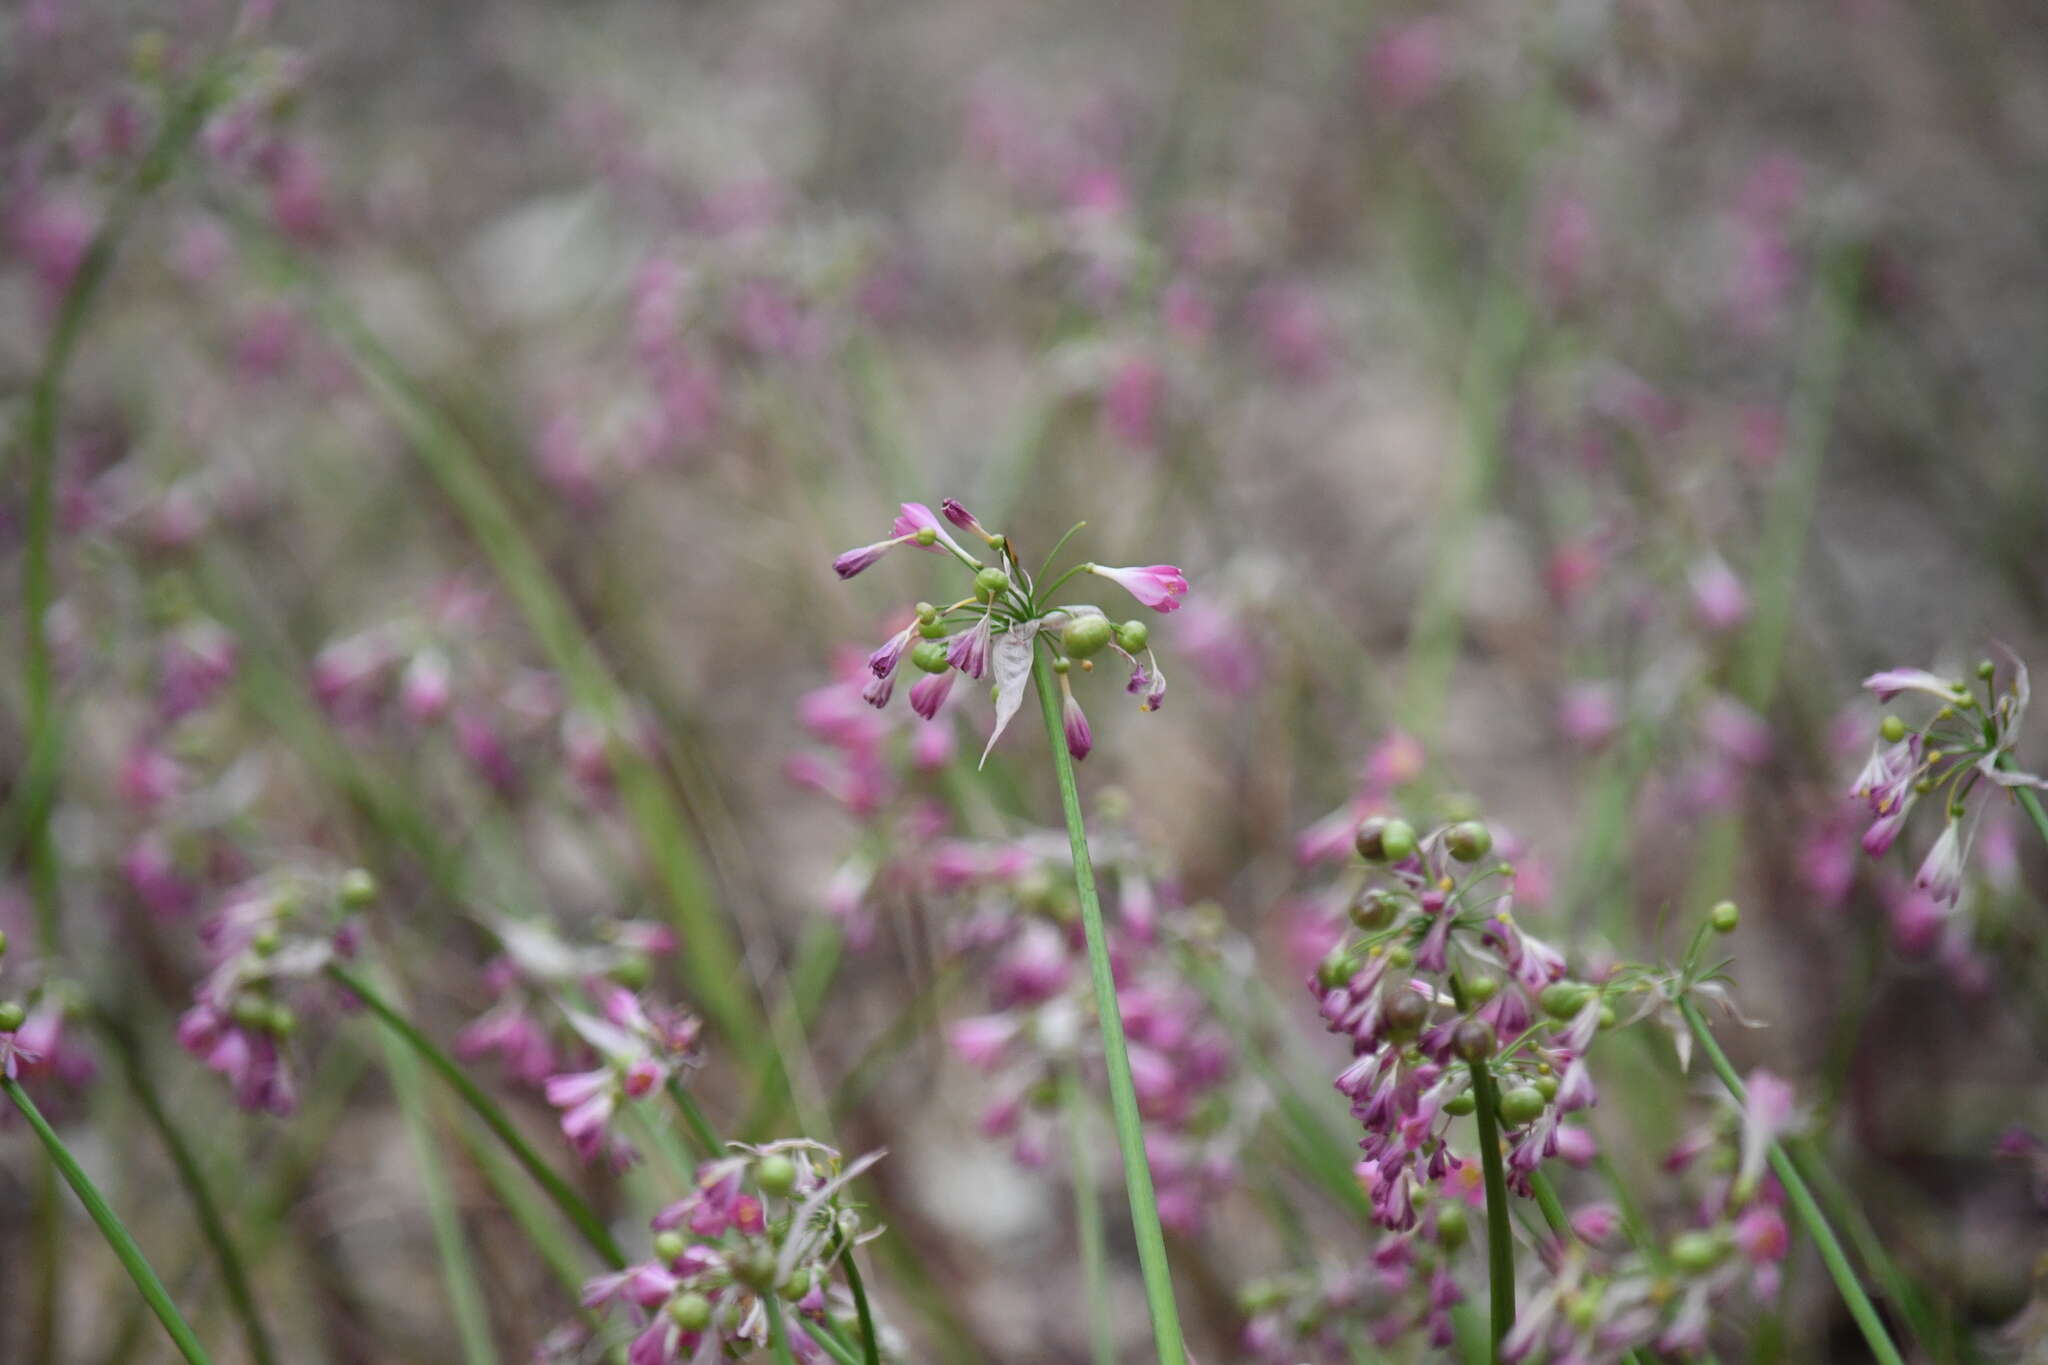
[
  {"x": 1134, "y": 636},
  {"x": 1452, "y": 1226},
  {"x": 989, "y": 582},
  {"x": 1475, "y": 1040},
  {"x": 1469, "y": 841},
  {"x": 1563, "y": 999},
  {"x": 1335, "y": 969},
  {"x": 1724, "y": 917},
  {"x": 1694, "y": 1253},
  {"x": 1374, "y": 909},
  {"x": 12, "y": 1016},
  {"x": 930, "y": 656},
  {"x": 358, "y": 889},
  {"x": 1892, "y": 729},
  {"x": 1086, "y": 635},
  {"x": 777, "y": 1176},
  {"x": 1368, "y": 839},
  {"x": 1986, "y": 669},
  {"x": 1457, "y": 1106},
  {"x": 1523, "y": 1104},
  {"x": 1397, "y": 840},
  {"x": 669, "y": 1245},
  {"x": 691, "y": 1311}
]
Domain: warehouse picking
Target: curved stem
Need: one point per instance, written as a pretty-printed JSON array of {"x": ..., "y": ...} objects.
[
  {"x": 1123, "y": 1095},
  {"x": 2028, "y": 801},
  {"x": 701, "y": 1131},
  {"x": 870, "y": 1344},
  {"x": 1816, "y": 1222},
  {"x": 111, "y": 1227},
  {"x": 233, "y": 1274},
  {"x": 588, "y": 1223}
]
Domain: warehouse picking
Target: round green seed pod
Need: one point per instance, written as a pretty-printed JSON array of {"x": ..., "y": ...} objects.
[
  {"x": 989, "y": 582},
  {"x": 1374, "y": 909},
  {"x": 930, "y": 656},
  {"x": 1405, "y": 1012},
  {"x": 1469, "y": 841},
  {"x": 358, "y": 888},
  {"x": 776, "y": 1175},
  {"x": 933, "y": 630},
  {"x": 1452, "y": 1226},
  {"x": 1475, "y": 1040},
  {"x": 1546, "y": 1086},
  {"x": 1457, "y": 1106},
  {"x": 1084, "y": 636},
  {"x": 669, "y": 1245},
  {"x": 1694, "y": 1253},
  {"x": 1134, "y": 636},
  {"x": 12, "y": 1016},
  {"x": 1563, "y": 999},
  {"x": 1522, "y": 1104},
  {"x": 1892, "y": 729},
  {"x": 1367, "y": 838},
  {"x": 1335, "y": 969},
  {"x": 1725, "y": 916},
  {"x": 1397, "y": 841},
  {"x": 691, "y": 1311}
]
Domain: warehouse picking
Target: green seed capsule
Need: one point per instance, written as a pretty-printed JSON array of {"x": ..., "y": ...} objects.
[
  {"x": 250, "y": 1011},
  {"x": 1724, "y": 917},
  {"x": 1397, "y": 841},
  {"x": 1367, "y": 839},
  {"x": 1475, "y": 1040},
  {"x": 1546, "y": 1086},
  {"x": 281, "y": 1020},
  {"x": 1400, "y": 955},
  {"x": 1335, "y": 969},
  {"x": 1374, "y": 909},
  {"x": 358, "y": 889},
  {"x": 1482, "y": 989},
  {"x": 1405, "y": 1012},
  {"x": 691, "y": 1312},
  {"x": 1892, "y": 728},
  {"x": 797, "y": 1285},
  {"x": 777, "y": 1176},
  {"x": 930, "y": 656},
  {"x": 989, "y": 582},
  {"x": 933, "y": 630},
  {"x": 1452, "y": 1227},
  {"x": 1563, "y": 999},
  {"x": 1697, "y": 1252},
  {"x": 1469, "y": 841},
  {"x": 1457, "y": 1106},
  {"x": 1523, "y": 1104},
  {"x": 12, "y": 1016},
  {"x": 1134, "y": 636},
  {"x": 669, "y": 1245},
  {"x": 1086, "y": 635},
  {"x": 926, "y": 536}
]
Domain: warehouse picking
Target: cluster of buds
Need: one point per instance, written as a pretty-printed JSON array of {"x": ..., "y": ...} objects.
[
  {"x": 991, "y": 632},
  {"x": 763, "y": 1223},
  {"x": 1013, "y": 903},
  {"x": 1440, "y": 982},
  {"x": 1404, "y": 1289},
  {"x": 33, "y": 1039},
  {"x": 1968, "y": 741},
  {"x": 271, "y": 935},
  {"x": 1604, "y": 1296},
  {"x": 535, "y": 971}
]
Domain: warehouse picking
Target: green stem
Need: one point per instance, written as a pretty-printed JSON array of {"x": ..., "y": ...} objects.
[
  {"x": 777, "y": 1333},
  {"x": 828, "y": 1343},
  {"x": 234, "y": 1276},
  {"x": 111, "y": 1228},
  {"x": 2028, "y": 800},
  {"x": 870, "y": 1343},
  {"x": 1816, "y": 1222},
  {"x": 1546, "y": 1200},
  {"x": 1088, "y": 1221},
  {"x": 1500, "y": 1238},
  {"x": 444, "y": 1219},
  {"x": 1123, "y": 1095},
  {"x": 566, "y": 1199},
  {"x": 701, "y": 1131}
]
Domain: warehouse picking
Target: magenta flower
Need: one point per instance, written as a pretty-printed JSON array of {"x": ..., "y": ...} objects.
[
  {"x": 1080, "y": 739},
  {"x": 1158, "y": 586},
  {"x": 929, "y": 693}
]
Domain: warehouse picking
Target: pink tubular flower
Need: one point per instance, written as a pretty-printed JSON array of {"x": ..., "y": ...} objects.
[
  {"x": 929, "y": 693},
  {"x": 968, "y": 651},
  {"x": 914, "y": 520},
  {"x": 1893, "y": 681},
  {"x": 1941, "y": 872},
  {"x": 1158, "y": 586},
  {"x": 965, "y": 520}
]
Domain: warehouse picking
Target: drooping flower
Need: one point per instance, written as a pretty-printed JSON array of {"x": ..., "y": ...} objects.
[{"x": 1158, "y": 586}]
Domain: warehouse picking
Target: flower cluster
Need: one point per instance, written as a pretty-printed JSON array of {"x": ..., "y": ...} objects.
[
  {"x": 1444, "y": 975},
  {"x": 270, "y": 935},
  {"x": 764, "y": 1225},
  {"x": 1606, "y": 1294},
  {"x": 1967, "y": 741},
  {"x": 1013, "y": 903},
  {"x": 34, "y": 1040},
  {"x": 991, "y": 631}
]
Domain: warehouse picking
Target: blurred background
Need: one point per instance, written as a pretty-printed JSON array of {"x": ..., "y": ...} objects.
[{"x": 1557, "y": 409}]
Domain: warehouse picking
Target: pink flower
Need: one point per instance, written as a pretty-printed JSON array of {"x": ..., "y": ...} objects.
[
  {"x": 1718, "y": 596},
  {"x": 1158, "y": 586},
  {"x": 929, "y": 693},
  {"x": 1080, "y": 739},
  {"x": 1893, "y": 681}
]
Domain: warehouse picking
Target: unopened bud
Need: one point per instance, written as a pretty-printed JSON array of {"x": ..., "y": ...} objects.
[
  {"x": 1523, "y": 1104},
  {"x": 1397, "y": 841},
  {"x": 1086, "y": 635},
  {"x": 691, "y": 1311},
  {"x": 669, "y": 1245},
  {"x": 1986, "y": 669},
  {"x": 989, "y": 582},
  {"x": 1133, "y": 636},
  {"x": 1892, "y": 729},
  {"x": 1724, "y": 917},
  {"x": 777, "y": 1176},
  {"x": 929, "y": 656},
  {"x": 1469, "y": 841},
  {"x": 12, "y": 1016}
]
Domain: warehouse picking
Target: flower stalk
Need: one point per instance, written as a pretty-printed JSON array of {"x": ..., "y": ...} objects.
[
  {"x": 111, "y": 1227},
  {"x": 1123, "y": 1095},
  {"x": 1803, "y": 1203}
]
